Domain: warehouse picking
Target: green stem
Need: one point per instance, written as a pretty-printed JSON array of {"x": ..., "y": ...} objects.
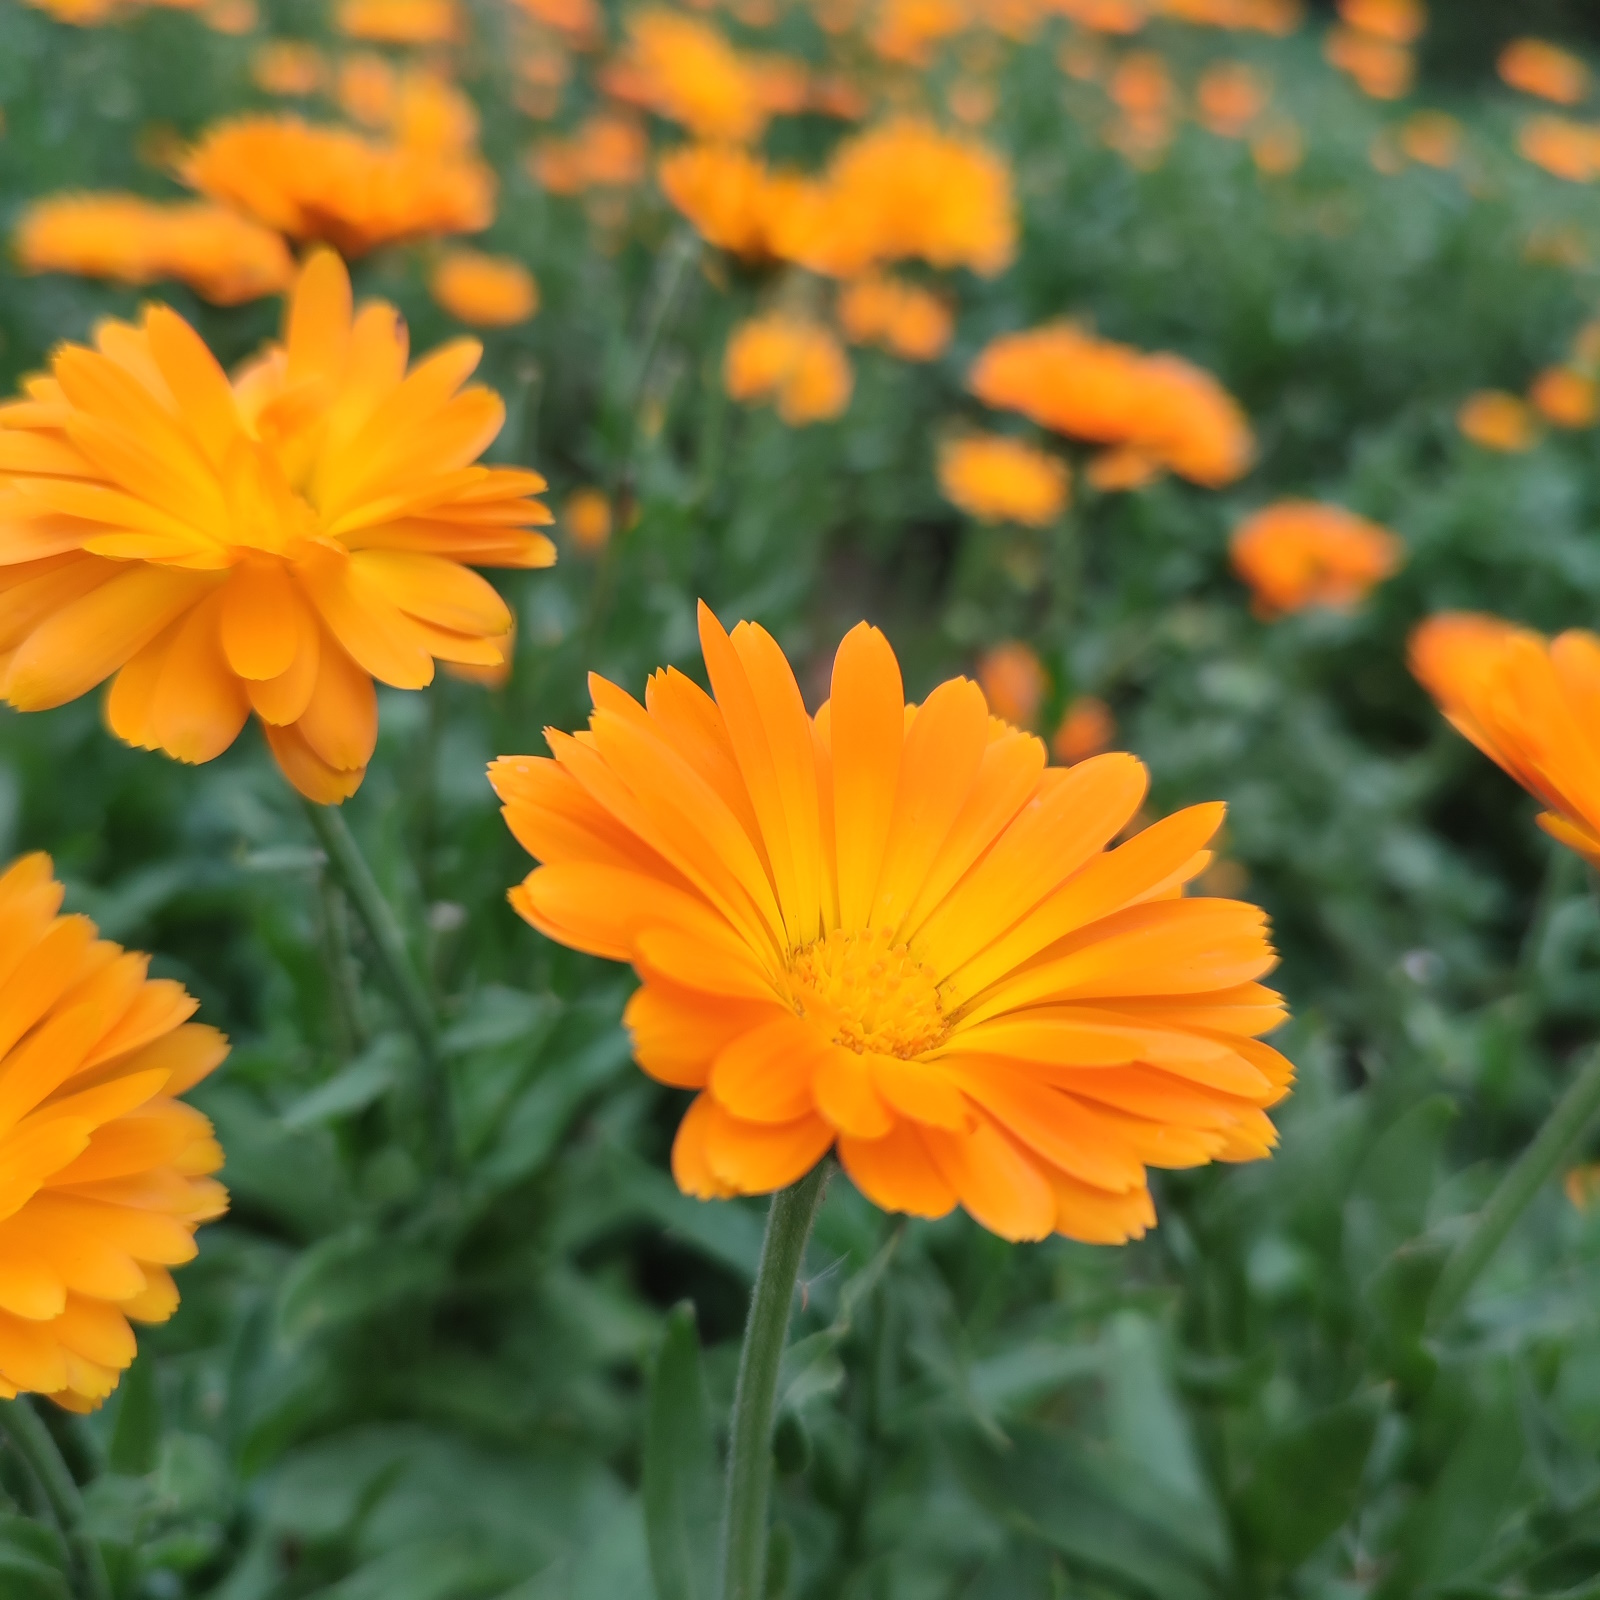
[
  {"x": 744, "y": 1532},
  {"x": 350, "y": 867},
  {"x": 1552, "y": 1146},
  {"x": 343, "y": 987},
  {"x": 33, "y": 1442}
]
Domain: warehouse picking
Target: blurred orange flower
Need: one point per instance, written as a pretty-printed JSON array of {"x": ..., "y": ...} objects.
[
  {"x": 1398, "y": 21},
  {"x": 580, "y": 22},
  {"x": 912, "y": 322},
  {"x": 797, "y": 364},
  {"x": 909, "y": 31},
  {"x": 332, "y": 184},
  {"x": 288, "y": 67},
  {"x": 1087, "y": 728},
  {"x": 223, "y": 257},
  {"x": 1545, "y": 70},
  {"x": 997, "y": 479},
  {"x": 1495, "y": 420},
  {"x": 107, "y": 1173},
  {"x": 729, "y": 195},
  {"x": 483, "y": 291},
  {"x": 1381, "y": 69},
  {"x": 587, "y": 519},
  {"x": 1157, "y": 405},
  {"x": 399, "y": 21},
  {"x": 893, "y": 931},
  {"x": 608, "y": 152},
  {"x": 684, "y": 70},
  {"x": 1104, "y": 16},
  {"x": 1528, "y": 704},
  {"x": 1300, "y": 553},
  {"x": 1230, "y": 96},
  {"x": 1279, "y": 148},
  {"x": 1142, "y": 85},
  {"x": 1432, "y": 138},
  {"x": 1568, "y": 399},
  {"x": 1565, "y": 148},
  {"x": 368, "y": 88},
  {"x": 1279, "y": 17},
  {"x": 271, "y": 544},
  {"x": 1013, "y": 682},
  {"x": 1581, "y": 1185}
]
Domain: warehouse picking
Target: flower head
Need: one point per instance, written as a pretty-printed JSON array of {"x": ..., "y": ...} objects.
[
  {"x": 1013, "y": 681},
  {"x": 1564, "y": 148},
  {"x": 1566, "y": 398},
  {"x": 1158, "y": 406},
  {"x": 104, "y": 1173},
  {"x": 797, "y": 364},
  {"x": 288, "y": 67},
  {"x": 609, "y": 151},
  {"x": 1398, "y": 21},
  {"x": 1527, "y": 702},
  {"x": 484, "y": 291},
  {"x": 891, "y": 931},
  {"x": 1230, "y": 96},
  {"x": 586, "y": 517},
  {"x": 270, "y": 544},
  {"x": 730, "y": 196},
  {"x": 1087, "y": 728},
  {"x": 684, "y": 70},
  {"x": 1545, "y": 70},
  {"x": 399, "y": 21},
  {"x": 334, "y": 185},
  {"x": 1380, "y": 68},
  {"x": 997, "y": 479},
  {"x": 1495, "y": 420},
  {"x": 222, "y": 256},
  {"x": 912, "y": 322},
  {"x": 1299, "y": 553}
]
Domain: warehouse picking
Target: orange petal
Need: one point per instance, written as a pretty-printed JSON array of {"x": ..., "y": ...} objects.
[
  {"x": 677, "y": 1032},
  {"x": 867, "y": 722},
  {"x": 759, "y": 1157},
  {"x": 260, "y": 630},
  {"x": 765, "y": 1075},
  {"x": 997, "y": 1184},
  {"x": 198, "y": 706},
  {"x": 844, "y": 1093},
  {"x": 322, "y": 784},
  {"x": 897, "y": 1173}
]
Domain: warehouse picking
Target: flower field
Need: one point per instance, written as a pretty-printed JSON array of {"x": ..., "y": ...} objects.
[{"x": 965, "y": 614}]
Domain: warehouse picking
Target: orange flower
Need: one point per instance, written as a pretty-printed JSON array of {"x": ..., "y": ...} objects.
[
  {"x": 1104, "y": 16},
  {"x": 1581, "y": 1185},
  {"x": 1528, "y": 704},
  {"x": 1159, "y": 406},
  {"x": 1122, "y": 470},
  {"x": 1231, "y": 95},
  {"x": 1398, "y": 21},
  {"x": 1277, "y": 17},
  {"x": 1299, "y": 553},
  {"x": 368, "y": 89},
  {"x": 1431, "y": 137},
  {"x": 587, "y": 519},
  {"x": 1003, "y": 480},
  {"x": 1568, "y": 399},
  {"x": 729, "y": 195},
  {"x": 332, "y": 184},
  {"x": 1086, "y": 730},
  {"x": 272, "y": 544},
  {"x": 1013, "y": 682},
  {"x": 1495, "y": 420},
  {"x": 1545, "y": 70},
  {"x": 289, "y": 67},
  {"x": 484, "y": 291},
  {"x": 890, "y": 930},
  {"x": 684, "y": 70},
  {"x": 1381, "y": 69},
  {"x": 399, "y": 21},
  {"x": 224, "y": 257},
  {"x": 912, "y": 322},
  {"x": 1567, "y": 149},
  {"x": 1142, "y": 86},
  {"x": 910, "y": 31},
  {"x": 1279, "y": 148},
  {"x": 578, "y": 21},
  {"x": 106, "y": 1172},
  {"x": 797, "y": 363},
  {"x": 608, "y": 152}
]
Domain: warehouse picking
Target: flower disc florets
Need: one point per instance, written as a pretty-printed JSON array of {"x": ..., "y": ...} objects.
[{"x": 869, "y": 993}]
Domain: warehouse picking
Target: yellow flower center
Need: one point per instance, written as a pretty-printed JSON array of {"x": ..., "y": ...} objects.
[{"x": 869, "y": 993}]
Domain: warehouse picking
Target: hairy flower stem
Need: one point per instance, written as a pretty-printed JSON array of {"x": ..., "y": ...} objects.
[
  {"x": 1551, "y": 1148},
  {"x": 744, "y": 1530},
  {"x": 350, "y": 867},
  {"x": 25, "y": 1429}
]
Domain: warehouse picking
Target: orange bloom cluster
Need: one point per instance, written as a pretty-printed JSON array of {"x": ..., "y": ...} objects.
[
  {"x": 104, "y": 1173},
  {"x": 399, "y": 21},
  {"x": 1104, "y": 16},
  {"x": 1398, "y": 21},
  {"x": 1158, "y": 408},
  {"x": 270, "y": 545},
  {"x": 1380, "y": 68},
  {"x": 418, "y": 108},
  {"x": 586, "y": 517},
  {"x": 730, "y": 196},
  {"x": 332, "y": 184},
  {"x": 608, "y": 152},
  {"x": 1013, "y": 681},
  {"x": 1495, "y": 420},
  {"x": 1142, "y": 89},
  {"x": 483, "y": 291},
  {"x": 1528, "y": 704},
  {"x": 579, "y": 22},
  {"x": 794, "y": 363},
  {"x": 1087, "y": 728},
  {"x": 288, "y": 67},
  {"x": 1565, "y": 148},
  {"x": 1277, "y": 17},
  {"x": 910, "y": 31},
  {"x": 1545, "y": 70},
  {"x": 1300, "y": 553},
  {"x": 891, "y": 931},
  {"x": 906, "y": 319},
  {"x": 1229, "y": 97},
  {"x": 222, "y": 256},
  {"x": 1003, "y": 480}
]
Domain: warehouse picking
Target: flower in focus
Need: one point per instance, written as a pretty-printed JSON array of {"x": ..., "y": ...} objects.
[
  {"x": 997, "y": 479},
  {"x": 892, "y": 931},
  {"x": 1013, "y": 681},
  {"x": 1564, "y": 148},
  {"x": 609, "y": 151},
  {"x": 1566, "y": 398},
  {"x": 1087, "y": 729},
  {"x": 1300, "y": 553},
  {"x": 288, "y": 67},
  {"x": 399, "y": 21},
  {"x": 1528, "y": 704},
  {"x": 684, "y": 70},
  {"x": 1432, "y": 138},
  {"x": 223, "y": 257},
  {"x": 1159, "y": 406},
  {"x": 106, "y": 1172},
  {"x": 484, "y": 291},
  {"x": 269, "y": 545},
  {"x": 1230, "y": 96},
  {"x": 1545, "y": 70},
  {"x": 1495, "y": 420},
  {"x": 332, "y": 184},
  {"x": 797, "y": 364},
  {"x": 587, "y": 519},
  {"x": 906, "y": 319}
]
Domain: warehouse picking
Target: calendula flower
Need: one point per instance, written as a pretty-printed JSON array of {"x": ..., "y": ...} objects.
[
  {"x": 1581, "y": 1185},
  {"x": 223, "y": 257},
  {"x": 484, "y": 291},
  {"x": 1564, "y": 148},
  {"x": 334, "y": 185},
  {"x": 586, "y": 517},
  {"x": 1279, "y": 148},
  {"x": 1566, "y": 398},
  {"x": 1432, "y": 138},
  {"x": 797, "y": 364},
  {"x": 399, "y": 21},
  {"x": 1539, "y": 68},
  {"x": 272, "y": 544},
  {"x": 1159, "y": 406},
  {"x": 578, "y": 21},
  {"x": 1086, "y": 730},
  {"x": 904, "y": 318},
  {"x": 609, "y": 152},
  {"x": 729, "y": 195},
  {"x": 683, "y": 69},
  {"x": 106, "y": 1173},
  {"x": 1278, "y": 17},
  {"x": 1381, "y": 69},
  {"x": 1300, "y": 553},
  {"x": 891, "y": 931},
  {"x": 1495, "y": 420},
  {"x": 997, "y": 479},
  {"x": 910, "y": 31},
  {"x": 1105, "y": 16},
  {"x": 1398, "y": 21},
  {"x": 1013, "y": 681},
  {"x": 288, "y": 67},
  {"x": 1230, "y": 96},
  {"x": 1527, "y": 702}
]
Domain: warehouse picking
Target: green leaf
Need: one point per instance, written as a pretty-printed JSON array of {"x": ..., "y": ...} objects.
[
  {"x": 136, "y": 1434},
  {"x": 681, "y": 1498},
  {"x": 24, "y": 1578},
  {"x": 352, "y": 1275},
  {"x": 354, "y": 1087}
]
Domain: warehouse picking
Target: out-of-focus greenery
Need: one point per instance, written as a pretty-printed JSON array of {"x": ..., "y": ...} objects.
[{"x": 380, "y": 1387}]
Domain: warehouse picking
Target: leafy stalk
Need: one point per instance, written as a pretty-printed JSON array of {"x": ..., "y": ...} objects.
[{"x": 25, "y": 1429}]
